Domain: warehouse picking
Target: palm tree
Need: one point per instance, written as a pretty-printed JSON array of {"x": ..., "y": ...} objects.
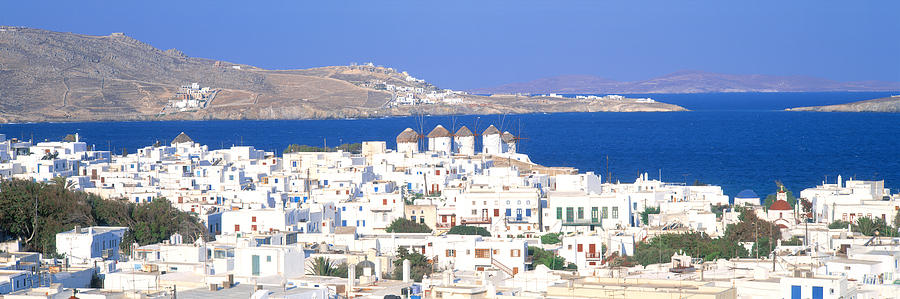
[
  {"x": 866, "y": 226},
  {"x": 323, "y": 266}
]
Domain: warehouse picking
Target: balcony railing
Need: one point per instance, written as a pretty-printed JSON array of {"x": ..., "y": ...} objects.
[
  {"x": 517, "y": 219},
  {"x": 476, "y": 220},
  {"x": 582, "y": 222},
  {"x": 593, "y": 255},
  {"x": 444, "y": 225}
]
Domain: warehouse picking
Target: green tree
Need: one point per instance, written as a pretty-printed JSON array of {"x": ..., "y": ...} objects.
[
  {"x": 660, "y": 248},
  {"x": 645, "y": 214},
  {"x": 551, "y": 238},
  {"x": 469, "y": 230},
  {"x": 419, "y": 264},
  {"x": 548, "y": 258},
  {"x": 839, "y": 224},
  {"x": 36, "y": 211},
  {"x": 406, "y": 226}
]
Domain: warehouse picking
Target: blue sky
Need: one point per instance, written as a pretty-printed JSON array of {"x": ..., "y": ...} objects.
[{"x": 470, "y": 44}]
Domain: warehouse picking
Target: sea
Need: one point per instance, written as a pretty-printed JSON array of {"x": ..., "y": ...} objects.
[{"x": 735, "y": 140}]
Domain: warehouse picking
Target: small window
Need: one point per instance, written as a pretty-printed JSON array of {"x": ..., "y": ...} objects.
[{"x": 268, "y": 258}]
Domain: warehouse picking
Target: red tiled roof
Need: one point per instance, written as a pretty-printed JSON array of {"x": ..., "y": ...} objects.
[{"x": 781, "y": 205}]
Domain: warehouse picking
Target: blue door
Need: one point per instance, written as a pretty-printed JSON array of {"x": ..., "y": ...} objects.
[
  {"x": 817, "y": 293},
  {"x": 795, "y": 292},
  {"x": 255, "y": 266}
]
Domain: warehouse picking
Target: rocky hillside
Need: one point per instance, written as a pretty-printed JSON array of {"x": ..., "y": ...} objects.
[
  {"x": 686, "y": 82},
  {"x": 55, "y": 76},
  {"x": 888, "y": 104}
]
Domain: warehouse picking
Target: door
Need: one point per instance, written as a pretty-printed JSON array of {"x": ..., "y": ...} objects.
[
  {"x": 795, "y": 292},
  {"x": 592, "y": 248},
  {"x": 484, "y": 214},
  {"x": 255, "y": 266},
  {"x": 818, "y": 293}
]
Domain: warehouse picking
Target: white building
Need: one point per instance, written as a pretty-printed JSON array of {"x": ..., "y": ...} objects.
[{"x": 81, "y": 245}]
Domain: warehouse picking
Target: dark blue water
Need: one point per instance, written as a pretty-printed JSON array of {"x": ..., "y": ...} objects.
[{"x": 739, "y": 148}]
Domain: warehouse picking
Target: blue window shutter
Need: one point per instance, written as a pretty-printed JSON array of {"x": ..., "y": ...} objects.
[
  {"x": 817, "y": 293},
  {"x": 343, "y": 222},
  {"x": 376, "y": 189},
  {"x": 795, "y": 292},
  {"x": 528, "y": 212},
  {"x": 508, "y": 212}
]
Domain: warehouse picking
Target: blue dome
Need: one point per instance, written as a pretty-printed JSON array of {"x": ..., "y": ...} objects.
[{"x": 747, "y": 193}]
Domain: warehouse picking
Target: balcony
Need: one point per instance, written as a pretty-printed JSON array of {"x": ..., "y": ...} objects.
[
  {"x": 517, "y": 219},
  {"x": 444, "y": 225},
  {"x": 582, "y": 222},
  {"x": 593, "y": 255},
  {"x": 476, "y": 220}
]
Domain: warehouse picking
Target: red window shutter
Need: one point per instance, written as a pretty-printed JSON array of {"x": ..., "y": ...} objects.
[
  {"x": 496, "y": 212},
  {"x": 580, "y": 249},
  {"x": 237, "y": 227}
]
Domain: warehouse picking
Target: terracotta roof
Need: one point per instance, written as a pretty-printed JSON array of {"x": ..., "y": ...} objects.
[
  {"x": 408, "y": 136},
  {"x": 780, "y": 205},
  {"x": 490, "y": 131},
  {"x": 508, "y": 137},
  {"x": 464, "y": 132},
  {"x": 439, "y": 131},
  {"x": 182, "y": 138}
]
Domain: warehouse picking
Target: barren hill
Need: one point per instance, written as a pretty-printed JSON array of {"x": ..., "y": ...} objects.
[
  {"x": 887, "y": 104},
  {"x": 56, "y": 76},
  {"x": 687, "y": 82}
]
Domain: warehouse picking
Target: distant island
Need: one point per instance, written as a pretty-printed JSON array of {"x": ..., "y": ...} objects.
[
  {"x": 887, "y": 104},
  {"x": 57, "y": 76},
  {"x": 686, "y": 82}
]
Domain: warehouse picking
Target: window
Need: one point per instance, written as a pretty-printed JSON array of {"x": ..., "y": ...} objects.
[
  {"x": 482, "y": 253},
  {"x": 580, "y": 213},
  {"x": 594, "y": 214},
  {"x": 268, "y": 258},
  {"x": 474, "y": 212},
  {"x": 817, "y": 293},
  {"x": 253, "y": 219},
  {"x": 496, "y": 212},
  {"x": 253, "y": 227},
  {"x": 515, "y": 253},
  {"x": 237, "y": 227},
  {"x": 508, "y": 212},
  {"x": 422, "y": 220},
  {"x": 615, "y": 212},
  {"x": 528, "y": 212},
  {"x": 580, "y": 248},
  {"x": 605, "y": 212},
  {"x": 570, "y": 214},
  {"x": 559, "y": 213},
  {"x": 450, "y": 253}
]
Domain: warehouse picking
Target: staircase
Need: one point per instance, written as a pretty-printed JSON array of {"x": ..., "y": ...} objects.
[{"x": 501, "y": 266}]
